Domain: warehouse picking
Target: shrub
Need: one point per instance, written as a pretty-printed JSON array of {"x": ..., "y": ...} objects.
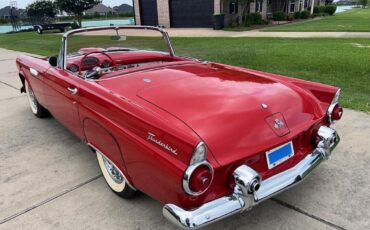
[
  {"x": 305, "y": 14},
  {"x": 257, "y": 18},
  {"x": 248, "y": 20},
  {"x": 290, "y": 17},
  {"x": 363, "y": 3},
  {"x": 253, "y": 19},
  {"x": 316, "y": 10},
  {"x": 279, "y": 16},
  {"x": 321, "y": 15},
  {"x": 75, "y": 25},
  {"x": 297, "y": 15},
  {"x": 330, "y": 9},
  {"x": 322, "y": 9}
]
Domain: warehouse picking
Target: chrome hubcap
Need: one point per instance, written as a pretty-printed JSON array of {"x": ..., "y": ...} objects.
[{"x": 114, "y": 173}]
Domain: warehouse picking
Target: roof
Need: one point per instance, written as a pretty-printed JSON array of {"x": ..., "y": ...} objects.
[
  {"x": 124, "y": 8},
  {"x": 5, "y": 12},
  {"x": 100, "y": 8}
]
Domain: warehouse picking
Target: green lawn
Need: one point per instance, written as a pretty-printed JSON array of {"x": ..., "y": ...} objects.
[
  {"x": 339, "y": 62},
  {"x": 356, "y": 20}
]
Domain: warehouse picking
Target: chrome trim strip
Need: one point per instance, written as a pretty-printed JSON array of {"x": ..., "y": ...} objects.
[
  {"x": 246, "y": 195},
  {"x": 124, "y": 177}
]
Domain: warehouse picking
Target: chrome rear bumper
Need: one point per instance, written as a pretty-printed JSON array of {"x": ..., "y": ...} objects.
[{"x": 250, "y": 190}]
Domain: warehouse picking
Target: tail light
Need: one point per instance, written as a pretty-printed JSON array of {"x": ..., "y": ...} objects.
[
  {"x": 201, "y": 179},
  {"x": 199, "y": 174},
  {"x": 335, "y": 111}
]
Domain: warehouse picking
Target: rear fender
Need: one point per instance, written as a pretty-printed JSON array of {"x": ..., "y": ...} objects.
[
  {"x": 101, "y": 139},
  {"x": 322, "y": 92}
]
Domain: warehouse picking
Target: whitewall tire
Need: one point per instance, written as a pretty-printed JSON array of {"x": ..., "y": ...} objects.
[
  {"x": 114, "y": 177},
  {"x": 37, "y": 109}
]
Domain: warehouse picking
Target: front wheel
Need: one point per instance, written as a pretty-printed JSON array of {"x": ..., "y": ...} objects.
[
  {"x": 37, "y": 109},
  {"x": 114, "y": 177}
]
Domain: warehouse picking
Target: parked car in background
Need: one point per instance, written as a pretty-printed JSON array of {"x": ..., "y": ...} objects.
[{"x": 207, "y": 140}]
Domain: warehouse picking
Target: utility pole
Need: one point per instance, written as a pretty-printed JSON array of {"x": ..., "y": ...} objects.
[{"x": 312, "y": 6}]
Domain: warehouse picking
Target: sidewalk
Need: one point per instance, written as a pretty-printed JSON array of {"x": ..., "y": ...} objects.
[{"x": 207, "y": 32}]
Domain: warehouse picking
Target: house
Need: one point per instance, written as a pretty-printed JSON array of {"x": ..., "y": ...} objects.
[
  {"x": 5, "y": 12},
  {"x": 100, "y": 9},
  {"x": 196, "y": 13},
  {"x": 124, "y": 9}
]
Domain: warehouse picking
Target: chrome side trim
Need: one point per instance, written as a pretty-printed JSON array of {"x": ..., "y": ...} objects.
[
  {"x": 245, "y": 195},
  {"x": 124, "y": 177}
]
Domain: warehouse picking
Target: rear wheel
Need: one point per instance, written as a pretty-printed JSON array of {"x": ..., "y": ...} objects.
[
  {"x": 114, "y": 177},
  {"x": 37, "y": 109}
]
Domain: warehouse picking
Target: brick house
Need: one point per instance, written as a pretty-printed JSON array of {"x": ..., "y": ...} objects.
[{"x": 199, "y": 13}]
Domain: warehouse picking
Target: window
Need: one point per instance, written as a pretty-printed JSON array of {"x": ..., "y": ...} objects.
[
  {"x": 306, "y": 4},
  {"x": 258, "y": 6},
  {"x": 292, "y": 7},
  {"x": 233, "y": 8}
]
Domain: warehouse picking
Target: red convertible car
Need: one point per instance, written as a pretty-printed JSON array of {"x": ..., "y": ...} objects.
[{"x": 207, "y": 140}]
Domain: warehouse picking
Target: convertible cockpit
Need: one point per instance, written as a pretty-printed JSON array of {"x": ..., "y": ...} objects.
[
  {"x": 105, "y": 52},
  {"x": 94, "y": 63}
]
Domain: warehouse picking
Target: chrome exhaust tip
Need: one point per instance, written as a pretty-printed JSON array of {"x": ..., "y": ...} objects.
[{"x": 255, "y": 185}]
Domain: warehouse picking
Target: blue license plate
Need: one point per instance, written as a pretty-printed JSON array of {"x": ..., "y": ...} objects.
[{"x": 279, "y": 154}]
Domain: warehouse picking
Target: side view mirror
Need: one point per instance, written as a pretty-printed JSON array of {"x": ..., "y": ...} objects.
[{"x": 53, "y": 61}]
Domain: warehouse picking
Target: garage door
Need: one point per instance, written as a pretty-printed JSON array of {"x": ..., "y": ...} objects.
[
  {"x": 191, "y": 13},
  {"x": 148, "y": 12}
]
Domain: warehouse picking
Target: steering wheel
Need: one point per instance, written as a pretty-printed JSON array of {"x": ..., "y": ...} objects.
[{"x": 113, "y": 63}]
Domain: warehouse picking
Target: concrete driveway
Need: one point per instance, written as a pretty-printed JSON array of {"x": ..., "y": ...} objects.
[{"x": 50, "y": 180}]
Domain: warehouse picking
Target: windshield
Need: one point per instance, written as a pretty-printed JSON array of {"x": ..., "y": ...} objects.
[
  {"x": 102, "y": 52},
  {"x": 116, "y": 39}
]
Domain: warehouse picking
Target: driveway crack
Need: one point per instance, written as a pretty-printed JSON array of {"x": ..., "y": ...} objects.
[
  {"x": 307, "y": 214},
  {"x": 9, "y": 85},
  {"x": 50, "y": 199}
]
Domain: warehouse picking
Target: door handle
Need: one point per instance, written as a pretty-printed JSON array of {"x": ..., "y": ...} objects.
[
  {"x": 72, "y": 90},
  {"x": 34, "y": 72}
]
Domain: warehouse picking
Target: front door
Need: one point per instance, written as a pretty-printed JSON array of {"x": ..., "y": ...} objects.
[{"x": 61, "y": 91}]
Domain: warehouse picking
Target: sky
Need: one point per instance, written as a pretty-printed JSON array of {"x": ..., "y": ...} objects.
[{"x": 24, "y": 3}]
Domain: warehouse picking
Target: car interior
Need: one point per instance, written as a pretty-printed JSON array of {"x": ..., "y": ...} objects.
[{"x": 96, "y": 63}]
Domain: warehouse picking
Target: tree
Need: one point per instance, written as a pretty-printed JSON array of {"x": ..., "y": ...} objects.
[
  {"x": 245, "y": 9},
  {"x": 363, "y": 3},
  {"x": 41, "y": 12},
  {"x": 76, "y": 7}
]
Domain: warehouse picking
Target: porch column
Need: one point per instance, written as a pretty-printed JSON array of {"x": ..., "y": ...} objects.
[
  {"x": 252, "y": 7},
  {"x": 137, "y": 12},
  {"x": 264, "y": 9},
  {"x": 163, "y": 13},
  {"x": 217, "y": 7}
]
